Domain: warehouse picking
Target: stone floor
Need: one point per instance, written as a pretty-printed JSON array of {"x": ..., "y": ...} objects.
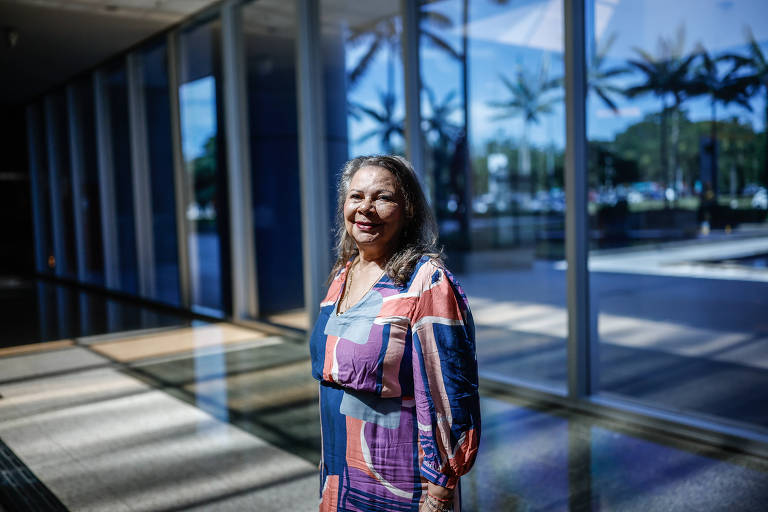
[{"x": 155, "y": 412}]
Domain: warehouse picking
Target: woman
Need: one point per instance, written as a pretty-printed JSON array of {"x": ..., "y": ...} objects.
[{"x": 394, "y": 351}]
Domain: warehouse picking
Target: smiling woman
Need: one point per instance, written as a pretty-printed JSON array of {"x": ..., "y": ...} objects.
[{"x": 394, "y": 351}]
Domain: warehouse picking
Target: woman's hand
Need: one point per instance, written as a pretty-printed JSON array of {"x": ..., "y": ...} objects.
[{"x": 443, "y": 499}]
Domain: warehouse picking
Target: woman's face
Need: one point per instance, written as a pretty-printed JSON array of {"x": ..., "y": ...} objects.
[{"x": 374, "y": 210}]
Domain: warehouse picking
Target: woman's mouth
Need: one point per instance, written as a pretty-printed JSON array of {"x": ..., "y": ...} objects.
[{"x": 366, "y": 226}]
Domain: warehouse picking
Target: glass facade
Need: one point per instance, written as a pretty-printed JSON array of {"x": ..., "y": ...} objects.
[
  {"x": 676, "y": 199},
  {"x": 677, "y": 204},
  {"x": 60, "y": 177},
  {"x": 269, "y": 30},
  {"x": 116, "y": 91},
  {"x": 90, "y": 208},
  {"x": 41, "y": 189},
  {"x": 160, "y": 149},
  {"x": 202, "y": 137}
]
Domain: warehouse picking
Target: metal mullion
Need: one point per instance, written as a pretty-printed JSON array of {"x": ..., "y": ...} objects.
[
  {"x": 76, "y": 168},
  {"x": 106, "y": 183},
  {"x": 33, "y": 132},
  {"x": 244, "y": 278},
  {"x": 414, "y": 141},
  {"x": 579, "y": 345},
  {"x": 142, "y": 190},
  {"x": 312, "y": 172},
  {"x": 179, "y": 174},
  {"x": 54, "y": 167}
]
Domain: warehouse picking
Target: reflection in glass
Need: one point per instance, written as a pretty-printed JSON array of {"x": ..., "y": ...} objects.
[
  {"x": 531, "y": 459},
  {"x": 203, "y": 151},
  {"x": 269, "y": 38},
  {"x": 363, "y": 80},
  {"x": 58, "y": 312},
  {"x": 117, "y": 101},
  {"x": 158, "y": 115},
  {"x": 493, "y": 121},
  {"x": 90, "y": 206},
  {"x": 678, "y": 208}
]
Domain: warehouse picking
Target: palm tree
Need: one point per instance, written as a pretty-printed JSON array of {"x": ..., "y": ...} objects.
[
  {"x": 444, "y": 135},
  {"x": 387, "y": 125},
  {"x": 384, "y": 33},
  {"x": 729, "y": 88},
  {"x": 599, "y": 80},
  {"x": 529, "y": 100},
  {"x": 756, "y": 80},
  {"x": 666, "y": 74},
  {"x": 438, "y": 122}
]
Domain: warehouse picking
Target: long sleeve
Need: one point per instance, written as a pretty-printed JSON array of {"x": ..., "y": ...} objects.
[{"x": 445, "y": 377}]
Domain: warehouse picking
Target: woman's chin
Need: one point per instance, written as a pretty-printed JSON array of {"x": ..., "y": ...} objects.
[
  {"x": 368, "y": 241},
  {"x": 366, "y": 237}
]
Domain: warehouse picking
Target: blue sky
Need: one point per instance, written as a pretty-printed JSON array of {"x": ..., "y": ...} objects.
[{"x": 198, "y": 115}]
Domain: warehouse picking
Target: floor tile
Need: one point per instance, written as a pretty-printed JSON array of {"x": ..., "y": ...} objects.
[
  {"x": 175, "y": 341},
  {"x": 40, "y": 364},
  {"x": 35, "y": 347}
]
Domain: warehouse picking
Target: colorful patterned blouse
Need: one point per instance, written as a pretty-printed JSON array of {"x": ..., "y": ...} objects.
[{"x": 398, "y": 391}]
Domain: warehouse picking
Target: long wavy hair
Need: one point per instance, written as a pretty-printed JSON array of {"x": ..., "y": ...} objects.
[{"x": 419, "y": 235}]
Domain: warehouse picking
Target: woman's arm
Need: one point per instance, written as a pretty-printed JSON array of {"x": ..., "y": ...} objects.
[{"x": 445, "y": 381}]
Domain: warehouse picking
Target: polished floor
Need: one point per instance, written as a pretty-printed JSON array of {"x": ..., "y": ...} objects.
[{"x": 110, "y": 406}]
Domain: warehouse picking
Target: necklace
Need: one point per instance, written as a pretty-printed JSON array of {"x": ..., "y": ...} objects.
[{"x": 348, "y": 288}]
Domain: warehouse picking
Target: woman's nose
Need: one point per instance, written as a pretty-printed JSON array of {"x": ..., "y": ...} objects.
[{"x": 365, "y": 206}]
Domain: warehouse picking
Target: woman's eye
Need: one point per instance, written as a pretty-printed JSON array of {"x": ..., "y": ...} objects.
[{"x": 385, "y": 198}]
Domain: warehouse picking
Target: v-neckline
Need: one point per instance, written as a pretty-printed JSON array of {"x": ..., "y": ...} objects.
[{"x": 344, "y": 287}]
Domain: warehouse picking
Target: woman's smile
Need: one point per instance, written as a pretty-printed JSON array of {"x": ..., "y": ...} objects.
[{"x": 366, "y": 225}]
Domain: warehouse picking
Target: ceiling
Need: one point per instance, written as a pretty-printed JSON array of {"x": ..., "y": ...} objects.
[{"x": 57, "y": 39}]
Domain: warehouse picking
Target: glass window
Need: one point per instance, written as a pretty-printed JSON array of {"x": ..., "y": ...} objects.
[
  {"x": 117, "y": 101},
  {"x": 38, "y": 155},
  {"x": 363, "y": 81},
  {"x": 158, "y": 115},
  {"x": 493, "y": 121},
  {"x": 90, "y": 206},
  {"x": 269, "y": 29},
  {"x": 678, "y": 205},
  {"x": 204, "y": 153},
  {"x": 62, "y": 206}
]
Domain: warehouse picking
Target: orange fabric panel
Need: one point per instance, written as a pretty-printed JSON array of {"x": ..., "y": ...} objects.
[
  {"x": 330, "y": 494},
  {"x": 355, "y": 458},
  {"x": 440, "y": 307},
  {"x": 330, "y": 346}
]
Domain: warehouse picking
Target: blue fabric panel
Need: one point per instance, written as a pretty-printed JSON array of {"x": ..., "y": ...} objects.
[
  {"x": 349, "y": 326},
  {"x": 367, "y": 407},
  {"x": 334, "y": 431}
]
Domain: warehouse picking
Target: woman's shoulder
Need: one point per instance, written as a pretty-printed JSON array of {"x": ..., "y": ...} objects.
[
  {"x": 429, "y": 271},
  {"x": 438, "y": 292}
]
